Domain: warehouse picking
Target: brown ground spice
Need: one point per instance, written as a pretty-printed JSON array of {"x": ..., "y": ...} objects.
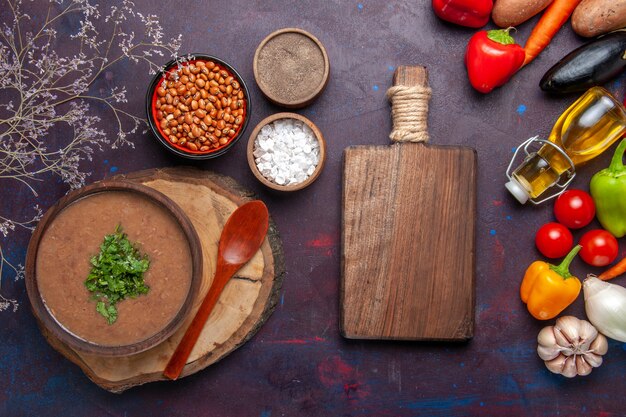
[{"x": 290, "y": 67}]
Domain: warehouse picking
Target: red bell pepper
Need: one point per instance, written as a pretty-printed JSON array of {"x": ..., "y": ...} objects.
[
  {"x": 470, "y": 13},
  {"x": 492, "y": 57}
]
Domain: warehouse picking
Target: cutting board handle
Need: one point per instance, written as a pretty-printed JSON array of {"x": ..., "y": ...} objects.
[{"x": 409, "y": 99}]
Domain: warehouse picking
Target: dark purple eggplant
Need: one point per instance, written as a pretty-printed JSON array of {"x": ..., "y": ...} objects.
[{"x": 594, "y": 63}]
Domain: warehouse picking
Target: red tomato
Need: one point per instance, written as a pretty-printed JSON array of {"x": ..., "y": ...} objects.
[
  {"x": 554, "y": 240},
  {"x": 599, "y": 247},
  {"x": 574, "y": 209}
]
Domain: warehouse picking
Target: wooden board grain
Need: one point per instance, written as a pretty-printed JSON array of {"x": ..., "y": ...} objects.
[
  {"x": 408, "y": 240},
  {"x": 246, "y": 303}
]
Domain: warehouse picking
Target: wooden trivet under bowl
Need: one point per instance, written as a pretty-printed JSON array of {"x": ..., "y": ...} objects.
[{"x": 248, "y": 300}]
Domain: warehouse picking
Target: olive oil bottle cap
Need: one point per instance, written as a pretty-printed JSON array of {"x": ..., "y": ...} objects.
[{"x": 518, "y": 191}]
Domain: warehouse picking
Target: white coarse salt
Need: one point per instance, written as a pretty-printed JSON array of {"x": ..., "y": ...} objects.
[{"x": 286, "y": 151}]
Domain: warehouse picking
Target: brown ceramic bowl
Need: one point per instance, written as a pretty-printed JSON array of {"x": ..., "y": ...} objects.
[
  {"x": 266, "y": 181},
  {"x": 67, "y": 237},
  {"x": 291, "y": 67}
]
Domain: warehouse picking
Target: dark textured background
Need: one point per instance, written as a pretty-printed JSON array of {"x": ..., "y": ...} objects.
[{"x": 298, "y": 364}]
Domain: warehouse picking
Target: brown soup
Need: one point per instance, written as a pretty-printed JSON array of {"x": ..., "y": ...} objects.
[{"x": 76, "y": 234}]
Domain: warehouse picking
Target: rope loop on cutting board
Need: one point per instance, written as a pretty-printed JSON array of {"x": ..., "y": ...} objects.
[{"x": 409, "y": 113}]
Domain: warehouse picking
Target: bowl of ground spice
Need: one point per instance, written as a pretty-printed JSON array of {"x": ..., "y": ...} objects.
[
  {"x": 286, "y": 152},
  {"x": 198, "y": 107},
  {"x": 291, "y": 67}
]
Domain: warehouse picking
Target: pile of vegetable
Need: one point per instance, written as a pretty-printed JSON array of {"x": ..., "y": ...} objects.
[
  {"x": 571, "y": 346},
  {"x": 574, "y": 347},
  {"x": 594, "y": 63}
]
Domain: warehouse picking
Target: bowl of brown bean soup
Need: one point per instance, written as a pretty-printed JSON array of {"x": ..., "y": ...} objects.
[
  {"x": 198, "y": 108},
  {"x": 105, "y": 231}
]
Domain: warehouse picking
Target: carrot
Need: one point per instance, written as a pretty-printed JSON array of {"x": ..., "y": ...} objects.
[
  {"x": 614, "y": 271},
  {"x": 551, "y": 21}
]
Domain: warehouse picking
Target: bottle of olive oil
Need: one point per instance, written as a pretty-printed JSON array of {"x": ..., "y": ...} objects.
[{"x": 585, "y": 130}]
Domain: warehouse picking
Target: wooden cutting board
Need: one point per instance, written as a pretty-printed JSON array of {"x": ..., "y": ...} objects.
[
  {"x": 248, "y": 300},
  {"x": 408, "y": 248}
]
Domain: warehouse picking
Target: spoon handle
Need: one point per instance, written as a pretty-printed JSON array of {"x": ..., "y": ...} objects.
[{"x": 178, "y": 360}]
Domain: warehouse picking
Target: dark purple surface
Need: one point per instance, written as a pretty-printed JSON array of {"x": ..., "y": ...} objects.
[{"x": 298, "y": 364}]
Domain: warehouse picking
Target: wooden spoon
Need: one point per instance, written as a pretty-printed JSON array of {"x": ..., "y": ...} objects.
[{"x": 241, "y": 238}]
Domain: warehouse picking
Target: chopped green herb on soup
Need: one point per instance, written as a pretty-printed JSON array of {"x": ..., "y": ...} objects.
[{"x": 116, "y": 274}]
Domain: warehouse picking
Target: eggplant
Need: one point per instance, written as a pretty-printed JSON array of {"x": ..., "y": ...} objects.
[{"x": 594, "y": 63}]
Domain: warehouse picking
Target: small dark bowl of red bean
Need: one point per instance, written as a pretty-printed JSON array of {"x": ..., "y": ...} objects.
[{"x": 199, "y": 107}]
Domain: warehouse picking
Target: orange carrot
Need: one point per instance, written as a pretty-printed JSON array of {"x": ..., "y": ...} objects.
[
  {"x": 551, "y": 21},
  {"x": 614, "y": 271}
]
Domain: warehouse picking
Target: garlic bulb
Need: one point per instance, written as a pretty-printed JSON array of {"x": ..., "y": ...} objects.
[
  {"x": 605, "y": 305},
  {"x": 571, "y": 347}
]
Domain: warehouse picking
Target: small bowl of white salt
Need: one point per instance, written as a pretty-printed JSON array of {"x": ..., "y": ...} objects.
[{"x": 286, "y": 152}]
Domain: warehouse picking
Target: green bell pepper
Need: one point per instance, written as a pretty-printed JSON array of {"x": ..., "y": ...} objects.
[{"x": 608, "y": 189}]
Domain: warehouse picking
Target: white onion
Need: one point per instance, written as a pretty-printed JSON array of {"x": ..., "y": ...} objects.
[{"x": 605, "y": 305}]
